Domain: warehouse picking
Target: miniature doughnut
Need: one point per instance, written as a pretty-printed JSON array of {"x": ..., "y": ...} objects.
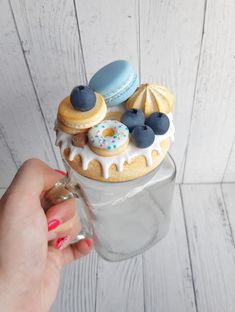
[{"x": 108, "y": 138}]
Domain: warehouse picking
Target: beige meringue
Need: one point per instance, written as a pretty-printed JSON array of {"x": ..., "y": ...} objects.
[{"x": 151, "y": 98}]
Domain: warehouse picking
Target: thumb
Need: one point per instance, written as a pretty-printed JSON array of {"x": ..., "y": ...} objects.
[{"x": 32, "y": 179}]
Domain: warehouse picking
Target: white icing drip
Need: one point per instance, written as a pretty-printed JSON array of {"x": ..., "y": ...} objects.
[
  {"x": 131, "y": 151},
  {"x": 149, "y": 159},
  {"x": 73, "y": 153},
  {"x": 58, "y": 138}
]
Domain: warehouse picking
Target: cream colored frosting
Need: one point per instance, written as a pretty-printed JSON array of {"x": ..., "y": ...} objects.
[
  {"x": 151, "y": 98},
  {"x": 131, "y": 151}
]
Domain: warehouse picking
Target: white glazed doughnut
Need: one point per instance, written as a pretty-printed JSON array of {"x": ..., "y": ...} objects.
[{"x": 108, "y": 138}]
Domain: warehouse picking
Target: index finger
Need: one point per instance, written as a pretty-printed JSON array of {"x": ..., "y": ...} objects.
[{"x": 35, "y": 176}]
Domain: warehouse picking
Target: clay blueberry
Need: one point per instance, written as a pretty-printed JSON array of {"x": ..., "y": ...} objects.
[
  {"x": 143, "y": 136},
  {"x": 82, "y": 98},
  {"x": 159, "y": 122},
  {"x": 133, "y": 117}
]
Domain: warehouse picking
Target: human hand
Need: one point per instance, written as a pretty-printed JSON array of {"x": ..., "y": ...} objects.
[{"x": 29, "y": 268}]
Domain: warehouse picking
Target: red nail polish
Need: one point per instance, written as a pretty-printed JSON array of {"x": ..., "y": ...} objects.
[
  {"x": 88, "y": 242},
  {"x": 61, "y": 172},
  {"x": 60, "y": 241},
  {"x": 53, "y": 224}
]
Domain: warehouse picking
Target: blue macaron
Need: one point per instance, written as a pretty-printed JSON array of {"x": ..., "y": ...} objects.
[{"x": 116, "y": 82}]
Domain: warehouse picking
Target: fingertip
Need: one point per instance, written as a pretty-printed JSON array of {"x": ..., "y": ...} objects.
[
  {"x": 84, "y": 246},
  {"x": 88, "y": 242},
  {"x": 53, "y": 224}
]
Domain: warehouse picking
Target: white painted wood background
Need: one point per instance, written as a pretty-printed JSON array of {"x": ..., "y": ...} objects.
[{"x": 47, "y": 47}]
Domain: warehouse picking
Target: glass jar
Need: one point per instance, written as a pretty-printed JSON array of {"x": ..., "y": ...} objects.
[{"x": 124, "y": 219}]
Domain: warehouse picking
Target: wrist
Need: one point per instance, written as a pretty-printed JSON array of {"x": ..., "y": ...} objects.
[
  {"x": 14, "y": 300},
  {"x": 8, "y": 302}
]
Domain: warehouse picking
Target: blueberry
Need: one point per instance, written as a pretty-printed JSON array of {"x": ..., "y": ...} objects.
[
  {"x": 82, "y": 98},
  {"x": 143, "y": 136},
  {"x": 133, "y": 117},
  {"x": 159, "y": 122}
]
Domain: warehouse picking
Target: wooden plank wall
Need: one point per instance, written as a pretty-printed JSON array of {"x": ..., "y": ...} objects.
[
  {"x": 213, "y": 127},
  {"x": 191, "y": 270},
  {"x": 47, "y": 47}
]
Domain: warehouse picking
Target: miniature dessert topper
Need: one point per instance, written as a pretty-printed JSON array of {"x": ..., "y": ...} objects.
[{"x": 115, "y": 130}]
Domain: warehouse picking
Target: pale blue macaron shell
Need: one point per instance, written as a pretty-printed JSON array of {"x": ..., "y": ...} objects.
[{"x": 116, "y": 81}]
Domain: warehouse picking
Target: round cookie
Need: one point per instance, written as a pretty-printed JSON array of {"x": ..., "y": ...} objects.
[
  {"x": 69, "y": 130},
  {"x": 137, "y": 168},
  {"x": 130, "y": 164},
  {"x": 72, "y": 121}
]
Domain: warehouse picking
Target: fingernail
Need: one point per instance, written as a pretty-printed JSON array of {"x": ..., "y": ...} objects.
[
  {"x": 88, "y": 242},
  {"x": 53, "y": 224},
  {"x": 62, "y": 242},
  {"x": 61, "y": 172}
]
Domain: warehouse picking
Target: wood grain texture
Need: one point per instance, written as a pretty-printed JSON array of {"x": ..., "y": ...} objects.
[
  {"x": 77, "y": 290},
  {"x": 211, "y": 247},
  {"x": 229, "y": 174},
  {"x": 170, "y": 39},
  {"x": 120, "y": 286},
  {"x": 21, "y": 122},
  {"x": 212, "y": 129},
  {"x": 51, "y": 44},
  {"x": 229, "y": 199},
  {"x": 109, "y": 31},
  {"x": 168, "y": 284},
  {"x": 8, "y": 166}
]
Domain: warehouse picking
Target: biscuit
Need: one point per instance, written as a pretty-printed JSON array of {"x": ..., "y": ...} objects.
[
  {"x": 72, "y": 121},
  {"x": 137, "y": 168}
]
